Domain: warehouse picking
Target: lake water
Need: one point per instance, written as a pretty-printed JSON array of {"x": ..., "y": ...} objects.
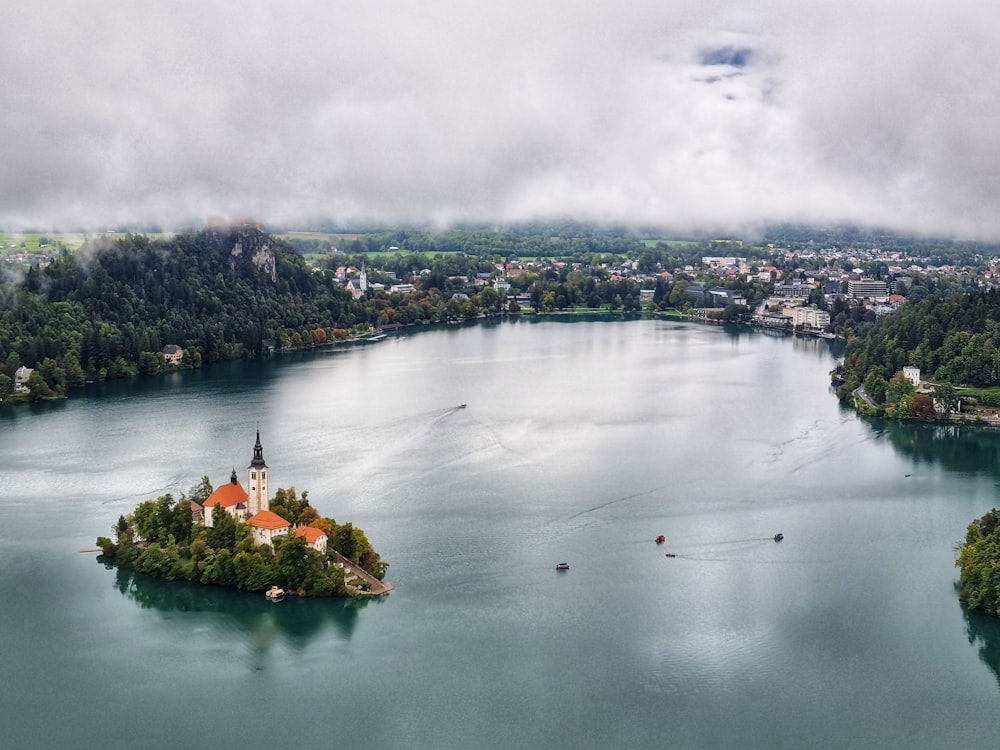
[{"x": 581, "y": 442}]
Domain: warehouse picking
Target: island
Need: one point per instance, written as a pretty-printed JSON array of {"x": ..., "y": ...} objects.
[
  {"x": 979, "y": 563},
  {"x": 246, "y": 539}
]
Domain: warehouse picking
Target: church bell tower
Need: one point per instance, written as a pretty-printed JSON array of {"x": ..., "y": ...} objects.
[{"x": 257, "y": 481}]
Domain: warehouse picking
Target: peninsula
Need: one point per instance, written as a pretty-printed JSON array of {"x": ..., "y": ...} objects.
[{"x": 246, "y": 539}]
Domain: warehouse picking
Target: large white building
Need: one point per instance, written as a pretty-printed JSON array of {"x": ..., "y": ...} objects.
[
  {"x": 810, "y": 317},
  {"x": 868, "y": 289}
]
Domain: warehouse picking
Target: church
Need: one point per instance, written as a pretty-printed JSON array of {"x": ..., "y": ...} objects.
[{"x": 253, "y": 506}]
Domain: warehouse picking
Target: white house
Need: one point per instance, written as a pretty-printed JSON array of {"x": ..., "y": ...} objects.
[
  {"x": 266, "y": 525},
  {"x": 315, "y": 538},
  {"x": 21, "y": 376},
  {"x": 912, "y": 373}
]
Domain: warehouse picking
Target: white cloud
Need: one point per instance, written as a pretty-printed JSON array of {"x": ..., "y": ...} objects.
[{"x": 445, "y": 111}]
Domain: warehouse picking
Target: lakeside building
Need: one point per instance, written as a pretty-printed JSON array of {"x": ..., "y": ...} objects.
[
  {"x": 810, "y": 317},
  {"x": 173, "y": 354},
  {"x": 21, "y": 376}
]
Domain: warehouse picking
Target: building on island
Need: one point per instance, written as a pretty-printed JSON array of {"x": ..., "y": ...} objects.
[
  {"x": 912, "y": 373},
  {"x": 315, "y": 538},
  {"x": 253, "y": 505},
  {"x": 231, "y": 496},
  {"x": 266, "y": 525}
]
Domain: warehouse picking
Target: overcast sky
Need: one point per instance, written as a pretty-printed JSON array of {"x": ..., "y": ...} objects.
[{"x": 683, "y": 113}]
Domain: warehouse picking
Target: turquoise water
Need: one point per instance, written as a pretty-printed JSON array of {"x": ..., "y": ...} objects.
[{"x": 580, "y": 442}]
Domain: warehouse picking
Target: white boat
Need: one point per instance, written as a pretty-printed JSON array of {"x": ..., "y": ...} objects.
[{"x": 274, "y": 594}]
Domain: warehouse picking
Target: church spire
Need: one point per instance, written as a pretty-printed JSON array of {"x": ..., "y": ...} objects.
[
  {"x": 258, "y": 452},
  {"x": 257, "y": 480}
]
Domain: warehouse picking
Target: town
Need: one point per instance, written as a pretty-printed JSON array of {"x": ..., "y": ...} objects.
[{"x": 149, "y": 314}]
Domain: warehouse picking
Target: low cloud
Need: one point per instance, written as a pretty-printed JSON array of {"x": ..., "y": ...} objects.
[{"x": 697, "y": 115}]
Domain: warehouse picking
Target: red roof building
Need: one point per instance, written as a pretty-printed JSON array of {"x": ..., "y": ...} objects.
[
  {"x": 230, "y": 496},
  {"x": 315, "y": 538},
  {"x": 266, "y": 525}
]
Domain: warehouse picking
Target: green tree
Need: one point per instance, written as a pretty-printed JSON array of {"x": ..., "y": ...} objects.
[
  {"x": 489, "y": 299},
  {"x": 251, "y": 571},
  {"x": 945, "y": 394},
  {"x": 345, "y": 542},
  {"x": 898, "y": 388},
  {"x": 296, "y": 565},
  {"x": 222, "y": 534},
  {"x": 201, "y": 491},
  {"x": 220, "y": 571}
]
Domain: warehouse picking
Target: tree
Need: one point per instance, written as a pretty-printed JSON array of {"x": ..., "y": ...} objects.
[
  {"x": 223, "y": 531},
  {"x": 945, "y": 394},
  {"x": 251, "y": 571},
  {"x": 296, "y": 564},
  {"x": 922, "y": 408},
  {"x": 898, "y": 387},
  {"x": 345, "y": 542},
  {"x": 489, "y": 299},
  {"x": 150, "y": 363},
  {"x": 308, "y": 516},
  {"x": 201, "y": 491},
  {"x": 219, "y": 571},
  {"x": 979, "y": 562},
  {"x": 37, "y": 387}
]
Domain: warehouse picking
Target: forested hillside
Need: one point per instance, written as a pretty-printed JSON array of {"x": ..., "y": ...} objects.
[
  {"x": 109, "y": 309},
  {"x": 954, "y": 340}
]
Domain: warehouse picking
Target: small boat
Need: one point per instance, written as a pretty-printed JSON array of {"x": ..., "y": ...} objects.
[
  {"x": 778, "y": 537},
  {"x": 274, "y": 594},
  {"x": 562, "y": 566},
  {"x": 461, "y": 406},
  {"x": 671, "y": 554},
  {"x": 661, "y": 539}
]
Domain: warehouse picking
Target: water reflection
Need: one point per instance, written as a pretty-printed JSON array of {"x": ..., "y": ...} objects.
[
  {"x": 296, "y": 621},
  {"x": 984, "y": 631},
  {"x": 963, "y": 448}
]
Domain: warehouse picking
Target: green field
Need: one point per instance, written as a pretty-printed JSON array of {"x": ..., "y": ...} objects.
[{"x": 47, "y": 242}]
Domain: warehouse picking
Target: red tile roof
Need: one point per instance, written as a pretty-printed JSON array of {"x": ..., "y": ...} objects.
[
  {"x": 265, "y": 519},
  {"x": 227, "y": 495},
  {"x": 311, "y": 534}
]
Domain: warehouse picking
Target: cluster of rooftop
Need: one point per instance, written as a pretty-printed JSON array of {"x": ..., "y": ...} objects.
[{"x": 253, "y": 506}]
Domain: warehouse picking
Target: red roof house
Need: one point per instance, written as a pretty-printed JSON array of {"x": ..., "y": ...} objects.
[
  {"x": 315, "y": 538},
  {"x": 266, "y": 525}
]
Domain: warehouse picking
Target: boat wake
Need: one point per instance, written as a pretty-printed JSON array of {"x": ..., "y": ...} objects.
[{"x": 615, "y": 501}]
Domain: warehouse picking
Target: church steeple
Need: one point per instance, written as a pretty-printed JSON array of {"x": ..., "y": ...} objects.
[
  {"x": 257, "y": 480},
  {"x": 258, "y": 452}
]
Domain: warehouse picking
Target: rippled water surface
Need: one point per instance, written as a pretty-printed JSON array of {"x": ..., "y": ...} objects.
[{"x": 580, "y": 442}]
